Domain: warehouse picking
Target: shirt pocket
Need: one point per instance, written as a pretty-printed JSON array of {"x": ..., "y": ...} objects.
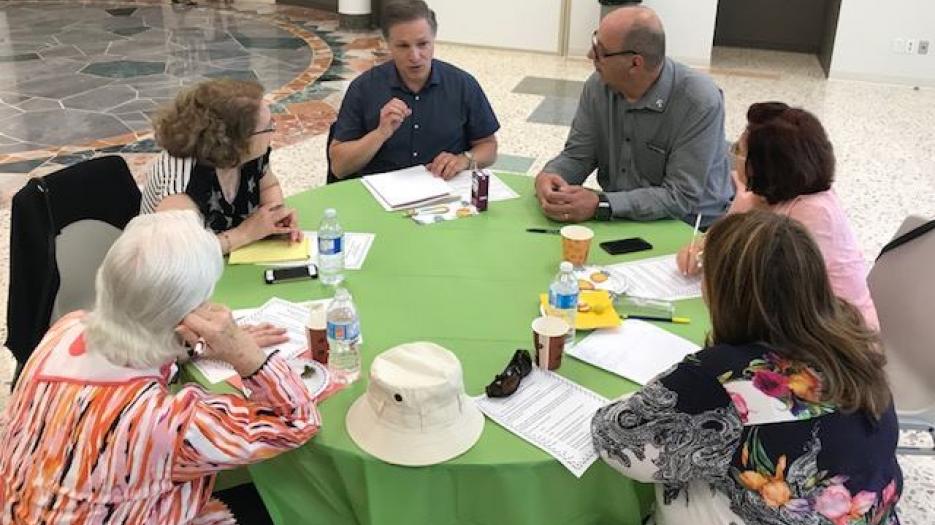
[{"x": 651, "y": 162}]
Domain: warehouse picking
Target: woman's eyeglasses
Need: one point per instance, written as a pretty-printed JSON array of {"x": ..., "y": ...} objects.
[
  {"x": 270, "y": 129},
  {"x": 506, "y": 383}
]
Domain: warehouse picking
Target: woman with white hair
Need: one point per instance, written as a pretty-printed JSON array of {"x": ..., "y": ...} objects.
[{"x": 91, "y": 434}]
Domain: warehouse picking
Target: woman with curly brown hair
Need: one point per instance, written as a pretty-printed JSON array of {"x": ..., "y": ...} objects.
[
  {"x": 784, "y": 163},
  {"x": 216, "y": 137}
]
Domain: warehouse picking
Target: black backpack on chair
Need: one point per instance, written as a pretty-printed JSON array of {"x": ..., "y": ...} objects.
[{"x": 67, "y": 217}]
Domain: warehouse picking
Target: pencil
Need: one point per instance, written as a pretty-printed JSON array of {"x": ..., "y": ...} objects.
[{"x": 676, "y": 320}]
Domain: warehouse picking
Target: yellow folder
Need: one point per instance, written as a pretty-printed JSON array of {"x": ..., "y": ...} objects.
[{"x": 271, "y": 250}]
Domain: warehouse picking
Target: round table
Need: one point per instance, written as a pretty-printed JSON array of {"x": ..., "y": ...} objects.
[{"x": 470, "y": 285}]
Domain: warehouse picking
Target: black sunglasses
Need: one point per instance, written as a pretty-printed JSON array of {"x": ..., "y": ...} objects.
[
  {"x": 506, "y": 383},
  {"x": 598, "y": 54}
]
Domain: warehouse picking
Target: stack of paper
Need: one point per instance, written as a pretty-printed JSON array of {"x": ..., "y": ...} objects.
[
  {"x": 416, "y": 187},
  {"x": 636, "y": 350},
  {"x": 552, "y": 413},
  {"x": 407, "y": 188}
]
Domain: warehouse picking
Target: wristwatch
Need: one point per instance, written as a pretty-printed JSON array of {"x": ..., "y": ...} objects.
[{"x": 603, "y": 211}]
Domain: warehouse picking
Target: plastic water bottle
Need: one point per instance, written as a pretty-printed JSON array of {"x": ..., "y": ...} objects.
[
  {"x": 330, "y": 249},
  {"x": 343, "y": 328},
  {"x": 563, "y": 298}
]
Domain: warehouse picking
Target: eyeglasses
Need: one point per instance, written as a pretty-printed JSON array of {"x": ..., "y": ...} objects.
[
  {"x": 270, "y": 129},
  {"x": 735, "y": 150},
  {"x": 600, "y": 55},
  {"x": 506, "y": 383}
]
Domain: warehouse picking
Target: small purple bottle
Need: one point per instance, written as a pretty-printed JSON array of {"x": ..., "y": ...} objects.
[{"x": 480, "y": 185}]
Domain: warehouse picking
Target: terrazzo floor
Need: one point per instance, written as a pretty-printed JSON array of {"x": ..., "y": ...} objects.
[{"x": 882, "y": 133}]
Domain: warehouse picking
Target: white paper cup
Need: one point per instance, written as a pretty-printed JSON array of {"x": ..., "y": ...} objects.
[{"x": 548, "y": 338}]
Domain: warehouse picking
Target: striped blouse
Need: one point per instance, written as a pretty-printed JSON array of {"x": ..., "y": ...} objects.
[
  {"x": 198, "y": 181},
  {"x": 87, "y": 442}
]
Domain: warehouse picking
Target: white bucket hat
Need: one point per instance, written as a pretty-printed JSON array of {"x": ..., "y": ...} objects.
[{"x": 415, "y": 411}]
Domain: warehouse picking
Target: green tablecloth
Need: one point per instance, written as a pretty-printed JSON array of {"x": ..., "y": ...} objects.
[{"x": 470, "y": 285}]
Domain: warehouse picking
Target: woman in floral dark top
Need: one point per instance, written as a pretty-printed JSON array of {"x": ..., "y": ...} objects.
[{"x": 785, "y": 417}]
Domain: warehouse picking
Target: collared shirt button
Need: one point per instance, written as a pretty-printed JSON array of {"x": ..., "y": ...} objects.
[
  {"x": 417, "y": 97},
  {"x": 415, "y": 153},
  {"x": 415, "y": 126},
  {"x": 627, "y": 139}
]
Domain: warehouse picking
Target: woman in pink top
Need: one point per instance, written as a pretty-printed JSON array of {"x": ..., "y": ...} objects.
[{"x": 784, "y": 163}]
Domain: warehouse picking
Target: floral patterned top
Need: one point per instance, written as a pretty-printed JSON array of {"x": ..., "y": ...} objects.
[{"x": 739, "y": 435}]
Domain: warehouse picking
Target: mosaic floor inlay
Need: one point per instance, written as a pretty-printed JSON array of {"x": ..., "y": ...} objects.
[{"x": 82, "y": 78}]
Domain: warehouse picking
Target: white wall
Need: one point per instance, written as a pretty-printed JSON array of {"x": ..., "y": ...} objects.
[
  {"x": 531, "y": 25},
  {"x": 689, "y": 27},
  {"x": 863, "y": 45},
  {"x": 583, "y": 20}
]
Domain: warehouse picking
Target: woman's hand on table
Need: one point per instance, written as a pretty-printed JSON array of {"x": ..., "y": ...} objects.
[
  {"x": 291, "y": 221},
  {"x": 266, "y": 334},
  {"x": 689, "y": 258},
  {"x": 268, "y": 220},
  {"x": 224, "y": 340}
]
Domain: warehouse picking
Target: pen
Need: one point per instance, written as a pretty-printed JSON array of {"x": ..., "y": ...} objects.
[
  {"x": 691, "y": 247},
  {"x": 676, "y": 320},
  {"x": 542, "y": 230}
]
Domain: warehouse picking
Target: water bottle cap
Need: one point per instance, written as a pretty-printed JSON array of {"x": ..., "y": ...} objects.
[
  {"x": 341, "y": 293},
  {"x": 566, "y": 266},
  {"x": 331, "y": 213}
]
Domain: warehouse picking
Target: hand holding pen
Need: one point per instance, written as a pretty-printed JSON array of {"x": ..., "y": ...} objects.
[{"x": 688, "y": 258}]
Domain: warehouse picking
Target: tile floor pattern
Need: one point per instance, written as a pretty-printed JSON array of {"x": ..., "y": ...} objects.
[
  {"x": 79, "y": 79},
  {"x": 885, "y": 151}
]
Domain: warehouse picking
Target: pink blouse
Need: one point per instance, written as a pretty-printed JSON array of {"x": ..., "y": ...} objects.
[{"x": 823, "y": 217}]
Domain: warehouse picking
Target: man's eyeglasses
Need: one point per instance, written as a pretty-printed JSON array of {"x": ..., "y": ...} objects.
[{"x": 601, "y": 55}]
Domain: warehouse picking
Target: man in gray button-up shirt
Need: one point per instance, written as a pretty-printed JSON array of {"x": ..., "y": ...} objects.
[{"x": 652, "y": 127}]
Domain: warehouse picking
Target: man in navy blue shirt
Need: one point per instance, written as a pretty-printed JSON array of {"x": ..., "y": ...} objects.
[{"x": 414, "y": 109}]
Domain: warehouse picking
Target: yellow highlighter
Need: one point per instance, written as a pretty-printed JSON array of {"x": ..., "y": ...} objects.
[{"x": 676, "y": 320}]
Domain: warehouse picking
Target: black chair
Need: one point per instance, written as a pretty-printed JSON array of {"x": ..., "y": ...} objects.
[
  {"x": 60, "y": 229},
  {"x": 331, "y": 179}
]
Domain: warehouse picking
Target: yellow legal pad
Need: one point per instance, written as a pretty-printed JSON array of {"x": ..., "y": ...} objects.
[
  {"x": 598, "y": 300},
  {"x": 271, "y": 250}
]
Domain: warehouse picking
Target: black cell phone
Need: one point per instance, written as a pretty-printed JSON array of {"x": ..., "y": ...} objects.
[
  {"x": 633, "y": 244},
  {"x": 294, "y": 273}
]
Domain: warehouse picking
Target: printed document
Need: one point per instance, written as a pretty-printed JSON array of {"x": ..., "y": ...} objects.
[
  {"x": 276, "y": 311},
  {"x": 636, "y": 350},
  {"x": 552, "y": 413},
  {"x": 658, "y": 278}
]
